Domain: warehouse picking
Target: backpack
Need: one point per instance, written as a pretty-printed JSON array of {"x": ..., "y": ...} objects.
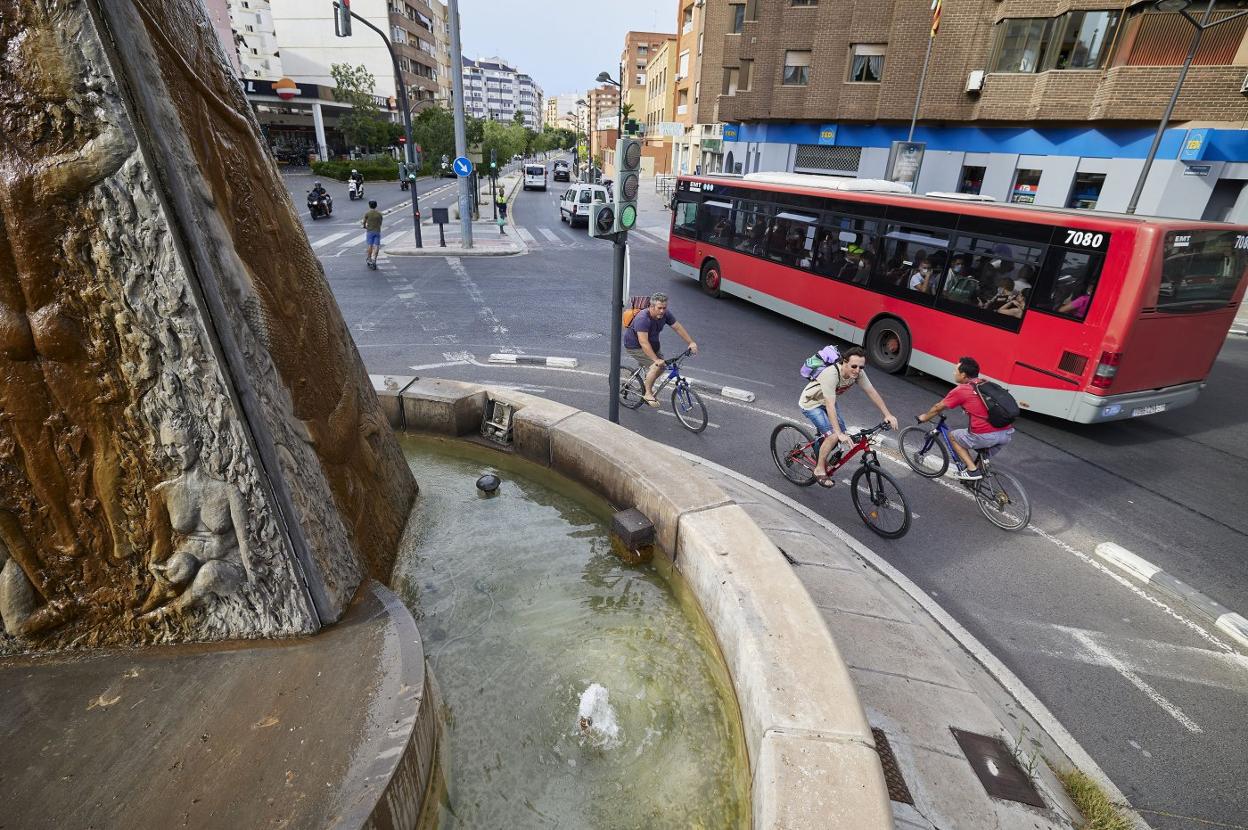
[
  {"x": 635, "y": 306},
  {"x": 817, "y": 362},
  {"x": 1001, "y": 406}
]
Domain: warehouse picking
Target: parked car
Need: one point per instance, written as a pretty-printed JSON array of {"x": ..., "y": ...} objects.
[{"x": 575, "y": 204}]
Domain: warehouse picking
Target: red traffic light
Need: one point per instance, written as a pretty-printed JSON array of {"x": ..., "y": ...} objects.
[{"x": 402, "y": 139}]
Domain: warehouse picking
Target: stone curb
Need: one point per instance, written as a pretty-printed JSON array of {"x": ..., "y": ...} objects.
[
  {"x": 730, "y": 392},
  {"x": 535, "y": 360},
  {"x": 1137, "y": 567},
  {"x": 811, "y": 752}
]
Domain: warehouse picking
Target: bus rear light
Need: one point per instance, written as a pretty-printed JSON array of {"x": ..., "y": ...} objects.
[{"x": 1106, "y": 369}]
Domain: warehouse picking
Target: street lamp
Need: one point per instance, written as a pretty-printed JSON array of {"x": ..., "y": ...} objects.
[{"x": 1201, "y": 25}]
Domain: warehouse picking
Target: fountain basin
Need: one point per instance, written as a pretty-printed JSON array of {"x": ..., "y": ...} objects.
[{"x": 810, "y": 750}]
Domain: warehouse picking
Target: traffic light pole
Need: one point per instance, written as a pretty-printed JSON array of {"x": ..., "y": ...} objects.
[
  {"x": 409, "y": 148},
  {"x": 617, "y": 327},
  {"x": 461, "y": 141}
]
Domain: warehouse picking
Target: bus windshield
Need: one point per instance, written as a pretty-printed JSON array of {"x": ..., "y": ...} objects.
[{"x": 1201, "y": 269}]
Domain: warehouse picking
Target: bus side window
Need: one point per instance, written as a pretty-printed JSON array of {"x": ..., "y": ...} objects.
[
  {"x": 752, "y": 219},
  {"x": 686, "y": 221},
  {"x": 915, "y": 259},
  {"x": 1067, "y": 282},
  {"x": 715, "y": 223}
]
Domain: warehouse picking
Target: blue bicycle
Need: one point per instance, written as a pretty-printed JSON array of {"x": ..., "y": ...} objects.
[
  {"x": 927, "y": 448},
  {"x": 686, "y": 403}
]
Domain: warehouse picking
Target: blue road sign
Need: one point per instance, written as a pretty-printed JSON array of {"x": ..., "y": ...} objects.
[{"x": 462, "y": 166}]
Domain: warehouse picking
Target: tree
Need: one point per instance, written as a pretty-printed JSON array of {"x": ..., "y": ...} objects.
[
  {"x": 363, "y": 125},
  {"x": 433, "y": 128},
  {"x": 626, "y": 111}
]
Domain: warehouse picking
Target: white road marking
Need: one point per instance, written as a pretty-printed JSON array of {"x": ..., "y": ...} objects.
[
  {"x": 486, "y": 313},
  {"x": 549, "y": 234},
  {"x": 320, "y": 243},
  {"x": 422, "y": 367},
  {"x": 525, "y": 235},
  {"x": 1138, "y": 682}
]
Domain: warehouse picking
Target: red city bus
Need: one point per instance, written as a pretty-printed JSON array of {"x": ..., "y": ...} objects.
[{"x": 1084, "y": 316}]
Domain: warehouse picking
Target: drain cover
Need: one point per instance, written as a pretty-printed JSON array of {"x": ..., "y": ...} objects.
[
  {"x": 997, "y": 770},
  {"x": 897, "y": 789}
]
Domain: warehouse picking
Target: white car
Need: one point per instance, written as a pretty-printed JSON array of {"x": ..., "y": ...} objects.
[
  {"x": 575, "y": 204},
  {"x": 535, "y": 176}
]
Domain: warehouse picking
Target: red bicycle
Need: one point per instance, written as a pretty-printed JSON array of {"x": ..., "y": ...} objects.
[{"x": 877, "y": 498}]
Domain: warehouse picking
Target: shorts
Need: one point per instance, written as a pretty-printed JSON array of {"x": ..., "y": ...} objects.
[
  {"x": 643, "y": 359},
  {"x": 373, "y": 237},
  {"x": 823, "y": 424},
  {"x": 990, "y": 442}
]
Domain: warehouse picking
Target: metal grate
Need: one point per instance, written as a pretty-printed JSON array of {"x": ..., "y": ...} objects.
[
  {"x": 996, "y": 768},
  {"x": 1073, "y": 363},
  {"x": 824, "y": 157},
  {"x": 897, "y": 789}
]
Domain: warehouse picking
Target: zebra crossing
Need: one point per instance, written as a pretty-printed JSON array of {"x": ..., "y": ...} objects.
[{"x": 562, "y": 237}]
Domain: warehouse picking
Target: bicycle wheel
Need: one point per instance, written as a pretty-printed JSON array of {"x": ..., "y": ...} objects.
[
  {"x": 880, "y": 502},
  {"x": 793, "y": 462},
  {"x": 631, "y": 388},
  {"x": 1003, "y": 500},
  {"x": 688, "y": 406},
  {"x": 924, "y": 451}
]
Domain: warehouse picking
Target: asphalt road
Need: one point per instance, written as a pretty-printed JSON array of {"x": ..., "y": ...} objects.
[{"x": 1156, "y": 696}]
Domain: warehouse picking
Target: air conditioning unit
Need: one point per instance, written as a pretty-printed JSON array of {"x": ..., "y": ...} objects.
[
  {"x": 975, "y": 81},
  {"x": 1243, "y": 88}
]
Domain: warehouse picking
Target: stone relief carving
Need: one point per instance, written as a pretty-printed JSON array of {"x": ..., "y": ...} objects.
[{"x": 102, "y": 346}]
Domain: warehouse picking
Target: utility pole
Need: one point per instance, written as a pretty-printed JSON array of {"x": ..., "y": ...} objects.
[{"x": 461, "y": 141}]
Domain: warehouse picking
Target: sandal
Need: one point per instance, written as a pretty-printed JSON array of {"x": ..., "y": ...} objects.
[
  {"x": 826, "y": 481},
  {"x": 651, "y": 401}
]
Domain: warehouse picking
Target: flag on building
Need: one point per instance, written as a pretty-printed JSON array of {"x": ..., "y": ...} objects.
[{"x": 935, "y": 16}]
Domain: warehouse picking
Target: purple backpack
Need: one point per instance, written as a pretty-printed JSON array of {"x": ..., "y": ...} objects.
[{"x": 819, "y": 361}]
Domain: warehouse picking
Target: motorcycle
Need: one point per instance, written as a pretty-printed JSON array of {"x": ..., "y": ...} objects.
[
  {"x": 320, "y": 206},
  {"x": 355, "y": 190},
  {"x": 404, "y": 184}
]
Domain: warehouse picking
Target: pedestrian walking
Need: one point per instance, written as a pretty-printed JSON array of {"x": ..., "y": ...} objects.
[
  {"x": 501, "y": 201},
  {"x": 372, "y": 234}
]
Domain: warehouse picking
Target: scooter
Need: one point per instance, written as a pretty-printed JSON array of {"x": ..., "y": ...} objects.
[
  {"x": 318, "y": 207},
  {"x": 355, "y": 190}
]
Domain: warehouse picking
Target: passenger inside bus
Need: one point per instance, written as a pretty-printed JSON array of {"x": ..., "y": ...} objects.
[
  {"x": 1016, "y": 304},
  {"x": 921, "y": 278}
]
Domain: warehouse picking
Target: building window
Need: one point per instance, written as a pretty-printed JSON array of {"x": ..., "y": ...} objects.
[
  {"x": 972, "y": 179},
  {"x": 682, "y": 65},
  {"x": 687, "y": 20},
  {"x": 1087, "y": 191},
  {"x": 803, "y": 2},
  {"x": 700, "y": 34},
  {"x": 1026, "y": 183},
  {"x": 796, "y": 68},
  {"x": 747, "y": 73},
  {"x": 820, "y": 158},
  {"x": 697, "y": 91},
  {"x": 736, "y": 14},
  {"x": 1021, "y": 43},
  {"x": 1082, "y": 40},
  {"x": 866, "y": 63},
  {"x": 731, "y": 79}
]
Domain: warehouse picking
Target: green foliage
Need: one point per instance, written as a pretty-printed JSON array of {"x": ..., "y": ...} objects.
[
  {"x": 506, "y": 140},
  {"x": 1098, "y": 811},
  {"x": 373, "y": 170},
  {"x": 626, "y": 110},
  {"x": 433, "y": 128},
  {"x": 363, "y": 125}
]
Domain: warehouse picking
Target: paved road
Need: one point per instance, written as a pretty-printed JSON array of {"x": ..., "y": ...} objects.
[{"x": 1154, "y": 695}]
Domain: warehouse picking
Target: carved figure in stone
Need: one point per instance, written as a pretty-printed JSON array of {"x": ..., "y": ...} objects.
[
  {"x": 199, "y": 526},
  {"x": 54, "y": 149}
]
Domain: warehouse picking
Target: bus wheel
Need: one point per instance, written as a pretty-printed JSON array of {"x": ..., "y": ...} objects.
[
  {"x": 888, "y": 345},
  {"x": 710, "y": 278}
]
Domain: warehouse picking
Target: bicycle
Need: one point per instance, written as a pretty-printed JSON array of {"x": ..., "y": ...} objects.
[
  {"x": 686, "y": 403},
  {"x": 1001, "y": 497},
  {"x": 793, "y": 450}
]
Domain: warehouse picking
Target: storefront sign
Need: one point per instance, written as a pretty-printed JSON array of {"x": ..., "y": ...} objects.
[
  {"x": 731, "y": 131},
  {"x": 1198, "y": 170},
  {"x": 827, "y": 134},
  {"x": 904, "y": 160},
  {"x": 1194, "y": 145}
]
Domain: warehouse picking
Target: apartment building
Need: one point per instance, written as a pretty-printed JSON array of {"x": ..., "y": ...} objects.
[
  {"x": 253, "y": 40},
  {"x": 659, "y": 109},
  {"x": 414, "y": 35},
  {"x": 700, "y": 28},
  {"x": 442, "y": 42},
  {"x": 638, "y": 47},
  {"x": 558, "y": 108},
  {"x": 496, "y": 90},
  {"x": 603, "y": 118},
  {"x": 1049, "y": 102}
]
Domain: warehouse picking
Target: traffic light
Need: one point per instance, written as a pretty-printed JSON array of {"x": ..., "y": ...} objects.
[
  {"x": 602, "y": 220},
  {"x": 493, "y": 159},
  {"x": 342, "y": 18},
  {"x": 627, "y": 182}
]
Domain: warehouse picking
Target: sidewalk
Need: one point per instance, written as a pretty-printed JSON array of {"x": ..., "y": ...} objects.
[
  {"x": 486, "y": 240},
  {"x": 919, "y": 675}
]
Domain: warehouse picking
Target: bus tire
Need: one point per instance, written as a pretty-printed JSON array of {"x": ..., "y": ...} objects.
[
  {"x": 710, "y": 279},
  {"x": 888, "y": 345}
]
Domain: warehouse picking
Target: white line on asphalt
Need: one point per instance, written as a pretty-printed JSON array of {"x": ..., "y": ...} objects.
[
  {"x": 1138, "y": 682},
  {"x": 549, "y": 234},
  {"x": 320, "y": 243},
  {"x": 422, "y": 367},
  {"x": 525, "y": 235}
]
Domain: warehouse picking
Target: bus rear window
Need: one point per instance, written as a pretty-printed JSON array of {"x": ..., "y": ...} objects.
[{"x": 1200, "y": 270}]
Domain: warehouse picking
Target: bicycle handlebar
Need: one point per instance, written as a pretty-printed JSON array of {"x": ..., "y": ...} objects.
[
  {"x": 882, "y": 426},
  {"x": 674, "y": 360}
]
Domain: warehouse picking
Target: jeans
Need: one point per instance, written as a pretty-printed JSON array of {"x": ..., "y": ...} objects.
[{"x": 823, "y": 424}]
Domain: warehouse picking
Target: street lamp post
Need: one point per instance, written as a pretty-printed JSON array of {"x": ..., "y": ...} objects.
[
  {"x": 409, "y": 147},
  {"x": 620, "y": 254},
  {"x": 1201, "y": 25}
]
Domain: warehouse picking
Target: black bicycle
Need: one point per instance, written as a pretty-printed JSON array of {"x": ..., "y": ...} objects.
[
  {"x": 1001, "y": 498},
  {"x": 876, "y": 495},
  {"x": 686, "y": 402}
]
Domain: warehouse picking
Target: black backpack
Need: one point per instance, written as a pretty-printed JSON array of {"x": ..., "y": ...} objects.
[{"x": 1001, "y": 406}]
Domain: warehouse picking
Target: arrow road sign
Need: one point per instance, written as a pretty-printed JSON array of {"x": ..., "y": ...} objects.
[{"x": 462, "y": 166}]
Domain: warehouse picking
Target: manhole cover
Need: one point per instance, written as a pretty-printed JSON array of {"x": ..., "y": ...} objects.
[
  {"x": 584, "y": 335},
  {"x": 996, "y": 768}
]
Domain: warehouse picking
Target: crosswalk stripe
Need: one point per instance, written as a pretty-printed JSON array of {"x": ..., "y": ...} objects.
[
  {"x": 322, "y": 242},
  {"x": 549, "y": 234},
  {"x": 525, "y": 235}
]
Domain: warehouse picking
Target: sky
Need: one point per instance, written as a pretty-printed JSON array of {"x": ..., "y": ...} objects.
[{"x": 563, "y": 44}]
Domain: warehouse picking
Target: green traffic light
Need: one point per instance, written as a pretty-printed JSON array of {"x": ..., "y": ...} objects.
[{"x": 628, "y": 216}]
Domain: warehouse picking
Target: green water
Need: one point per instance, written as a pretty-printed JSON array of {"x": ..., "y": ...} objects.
[{"x": 522, "y": 606}]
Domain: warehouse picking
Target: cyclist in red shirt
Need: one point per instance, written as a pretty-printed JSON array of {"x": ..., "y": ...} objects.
[{"x": 981, "y": 435}]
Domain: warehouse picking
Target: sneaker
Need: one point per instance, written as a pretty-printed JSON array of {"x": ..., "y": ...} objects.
[{"x": 971, "y": 475}]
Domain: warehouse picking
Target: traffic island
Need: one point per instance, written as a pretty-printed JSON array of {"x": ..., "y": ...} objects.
[{"x": 486, "y": 240}]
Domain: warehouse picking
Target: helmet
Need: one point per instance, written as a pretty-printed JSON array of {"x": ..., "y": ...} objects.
[
  {"x": 353, "y": 170},
  {"x": 317, "y": 184}
]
